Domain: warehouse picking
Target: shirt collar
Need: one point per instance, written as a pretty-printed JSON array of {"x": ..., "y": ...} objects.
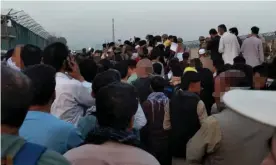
[{"x": 62, "y": 75}]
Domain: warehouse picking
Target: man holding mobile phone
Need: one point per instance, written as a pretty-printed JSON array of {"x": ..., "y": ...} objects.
[{"x": 72, "y": 93}]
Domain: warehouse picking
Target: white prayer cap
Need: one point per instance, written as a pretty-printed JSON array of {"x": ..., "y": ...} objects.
[
  {"x": 254, "y": 104},
  {"x": 201, "y": 51}
]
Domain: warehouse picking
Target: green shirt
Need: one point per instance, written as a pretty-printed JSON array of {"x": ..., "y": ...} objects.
[
  {"x": 11, "y": 144},
  {"x": 132, "y": 78}
]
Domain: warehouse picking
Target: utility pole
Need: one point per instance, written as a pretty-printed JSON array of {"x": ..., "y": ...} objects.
[{"x": 113, "y": 31}]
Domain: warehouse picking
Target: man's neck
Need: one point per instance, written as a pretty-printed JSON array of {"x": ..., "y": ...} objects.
[
  {"x": 9, "y": 130},
  {"x": 40, "y": 108}
]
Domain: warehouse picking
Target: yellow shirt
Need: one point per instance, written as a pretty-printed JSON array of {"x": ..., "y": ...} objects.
[{"x": 167, "y": 43}]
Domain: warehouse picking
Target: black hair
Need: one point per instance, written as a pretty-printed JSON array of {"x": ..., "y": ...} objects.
[
  {"x": 234, "y": 30},
  {"x": 152, "y": 42},
  {"x": 158, "y": 38},
  {"x": 122, "y": 67},
  {"x": 111, "y": 44},
  {"x": 9, "y": 53},
  {"x": 239, "y": 60},
  {"x": 157, "y": 68},
  {"x": 142, "y": 42},
  {"x": 105, "y": 78},
  {"x": 196, "y": 63},
  {"x": 219, "y": 65},
  {"x": 174, "y": 39},
  {"x": 16, "y": 97},
  {"x": 261, "y": 69},
  {"x": 132, "y": 63},
  {"x": 158, "y": 83},
  {"x": 88, "y": 69},
  {"x": 185, "y": 55},
  {"x": 116, "y": 105},
  {"x": 177, "y": 70},
  {"x": 106, "y": 64},
  {"x": 170, "y": 37},
  {"x": 222, "y": 26},
  {"x": 188, "y": 78},
  {"x": 149, "y": 37},
  {"x": 55, "y": 55},
  {"x": 155, "y": 53},
  {"x": 173, "y": 61},
  {"x": 127, "y": 42},
  {"x": 31, "y": 55},
  {"x": 84, "y": 50},
  {"x": 137, "y": 39},
  {"x": 43, "y": 82},
  {"x": 255, "y": 30},
  {"x": 104, "y": 45},
  {"x": 213, "y": 32}
]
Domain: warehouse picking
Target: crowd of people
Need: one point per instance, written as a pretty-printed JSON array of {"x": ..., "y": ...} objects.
[{"x": 143, "y": 102}]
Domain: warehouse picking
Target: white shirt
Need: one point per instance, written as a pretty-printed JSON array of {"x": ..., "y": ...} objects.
[
  {"x": 72, "y": 99},
  {"x": 229, "y": 47}
]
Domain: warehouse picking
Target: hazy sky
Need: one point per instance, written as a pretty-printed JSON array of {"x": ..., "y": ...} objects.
[{"x": 86, "y": 24}]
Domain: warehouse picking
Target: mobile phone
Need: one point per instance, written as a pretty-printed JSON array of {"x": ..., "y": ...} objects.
[{"x": 68, "y": 65}]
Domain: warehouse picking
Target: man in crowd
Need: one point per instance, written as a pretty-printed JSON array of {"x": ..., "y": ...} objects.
[
  {"x": 260, "y": 76},
  {"x": 235, "y": 31},
  {"x": 14, "y": 107},
  {"x": 40, "y": 126},
  {"x": 24, "y": 56},
  {"x": 185, "y": 115},
  {"x": 232, "y": 99},
  {"x": 142, "y": 84},
  {"x": 202, "y": 42},
  {"x": 222, "y": 137},
  {"x": 213, "y": 45},
  {"x": 72, "y": 97},
  {"x": 113, "y": 142},
  {"x": 205, "y": 59},
  {"x": 240, "y": 64},
  {"x": 252, "y": 49},
  {"x": 153, "y": 135},
  {"x": 228, "y": 45},
  {"x": 132, "y": 71}
]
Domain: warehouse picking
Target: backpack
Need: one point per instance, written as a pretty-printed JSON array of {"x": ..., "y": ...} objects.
[{"x": 29, "y": 154}]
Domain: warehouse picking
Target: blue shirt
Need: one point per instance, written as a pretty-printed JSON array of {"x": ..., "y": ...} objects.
[{"x": 47, "y": 130}]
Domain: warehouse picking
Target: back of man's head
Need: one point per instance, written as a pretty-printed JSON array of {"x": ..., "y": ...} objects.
[
  {"x": 239, "y": 60},
  {"x": 16, "y": 97},
  {"x": 158, "y": 84},
  {"x": 122, "y": 67},
  {"x": 234, "y": 30},
  {"x": 43, "y": 82},
  {"x": 223, "y": 27},
  {"x": 105, "y": 78},
  {"x": 158, "y": 38},
  {"x": 116, "y": 105},
  {"x": 31, "y": 55},
  {"x": 88, "y": 69},
  {"x": 55, "y": 55},
  {"x": 188, "y": 78},
  {"x": 255, "y": 30},
  {"x": 213, "y": 32}
]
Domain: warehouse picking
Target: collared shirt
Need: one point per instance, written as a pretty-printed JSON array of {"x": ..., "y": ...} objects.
[
  {"x": 132, "y": 78},
  {"x": 47, "y": 130},
  {"x": 11, "y": 144},
  {"x": 72, "y": 99},
  {"x": 252, "y": 49},
  {"x": 229, "y": 47}
]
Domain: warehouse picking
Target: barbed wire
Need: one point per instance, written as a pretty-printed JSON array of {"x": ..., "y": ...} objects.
[{"x": 24, "y": 19}]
